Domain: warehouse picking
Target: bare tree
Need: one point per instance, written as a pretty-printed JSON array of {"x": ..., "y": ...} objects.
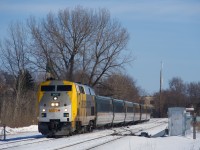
[
  {"x": 80, "y": 40},
  {"x": 15, "y": 59},
  {"x": 14, "y": 53},
  {"x": 58, "y": 39},
  {"x": 194, "y": 95},
  {"x": 176, "y": 84},
  {"x": 119, "y": 86},
  {"x": 110, "y": 41},
  {"x": 14, "y": 49},
  {"x": 178, "y": 91},
  {"x": 175, "y": 96}
]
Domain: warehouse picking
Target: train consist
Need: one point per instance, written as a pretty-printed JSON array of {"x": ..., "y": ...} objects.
[{"x": 68, "y": 107}]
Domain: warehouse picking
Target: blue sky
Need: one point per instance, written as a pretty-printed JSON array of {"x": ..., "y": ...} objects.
[{"x": 160, "y": 30}]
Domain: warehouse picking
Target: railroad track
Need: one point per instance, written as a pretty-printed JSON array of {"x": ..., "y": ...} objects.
[
  {"x": 116, "y": 135},
  {"x": 18, "y": 143},
  {"x": 20, "y": 139},
  {"x": 82, "y": 141},
  {"x": 120, "y": 136}
]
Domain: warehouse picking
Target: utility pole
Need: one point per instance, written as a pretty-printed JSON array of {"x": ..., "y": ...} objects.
[{"x": 160, "y": 96}]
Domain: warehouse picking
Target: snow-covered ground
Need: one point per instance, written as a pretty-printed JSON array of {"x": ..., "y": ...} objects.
[{"x": 30, "y": 138}]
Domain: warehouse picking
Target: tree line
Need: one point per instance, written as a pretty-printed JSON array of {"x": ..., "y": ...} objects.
[{"x": 179, "y": 94}]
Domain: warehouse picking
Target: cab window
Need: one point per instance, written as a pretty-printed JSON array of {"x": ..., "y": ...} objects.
[
  {"x": 81, "y": 89},
  {"x": 47, "y": 88},
  {"x": 64, "y": 88},
  {"x": 89, "y": 91}
]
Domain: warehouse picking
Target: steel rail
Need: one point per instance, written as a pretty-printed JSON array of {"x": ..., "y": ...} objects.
[
  {"x": 118, "y": 135},
  {"x": 121, "y": 136}
]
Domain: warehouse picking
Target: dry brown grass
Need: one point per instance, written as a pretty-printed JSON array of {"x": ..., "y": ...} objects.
[{"x": 198, "y": 126}]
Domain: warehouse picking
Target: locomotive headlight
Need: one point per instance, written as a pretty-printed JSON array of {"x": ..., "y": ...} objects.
[
  {"x": 54, "y": 104},
  {"x": 55, "y": 98},
  {"x": 65, "y": 109},
  {"x": 43, "y": 110}
]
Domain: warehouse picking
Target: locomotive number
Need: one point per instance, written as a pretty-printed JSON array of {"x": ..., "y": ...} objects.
[{"x": 54, "y": 110}]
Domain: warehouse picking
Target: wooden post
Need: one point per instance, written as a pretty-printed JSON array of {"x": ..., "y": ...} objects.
[
  {"x": 194, "y": 126},
  {"x": 4, "y": 132}
]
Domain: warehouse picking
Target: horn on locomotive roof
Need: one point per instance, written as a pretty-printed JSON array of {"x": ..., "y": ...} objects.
[{"x": 49, "y": 75}]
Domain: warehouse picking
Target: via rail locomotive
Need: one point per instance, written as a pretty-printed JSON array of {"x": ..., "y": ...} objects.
[{"x": 68, "y": 107}]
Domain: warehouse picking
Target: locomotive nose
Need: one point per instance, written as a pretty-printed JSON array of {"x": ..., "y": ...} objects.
[{"x": 55, "y": 105}]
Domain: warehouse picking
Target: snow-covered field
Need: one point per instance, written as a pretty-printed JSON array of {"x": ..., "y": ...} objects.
[{"x": 30, "y": 138}]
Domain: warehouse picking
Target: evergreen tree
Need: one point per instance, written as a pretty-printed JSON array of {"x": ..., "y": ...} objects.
[{"x": 25, "y": 81}]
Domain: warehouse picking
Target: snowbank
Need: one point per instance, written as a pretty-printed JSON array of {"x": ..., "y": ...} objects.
[{"x": 32, "y": 128}]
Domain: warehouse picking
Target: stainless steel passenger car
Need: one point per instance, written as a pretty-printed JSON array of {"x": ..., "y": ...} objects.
[
  {"x": 118, "y": 111},
  {"x": 148, "y": 112},
  {"x": 104, "y": 111},
  {"x": 137, "y": 114},
  {"x": 129, "y": 118},
  {"x": 143, "y": 112}
]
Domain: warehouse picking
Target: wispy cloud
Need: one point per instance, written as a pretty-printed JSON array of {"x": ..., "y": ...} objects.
[
  {"x": 30, "y": 8},
  {"x": 144, "y": 9},
  {"x": 159, "y": 10},
  {"x": 159, "y": 7}
]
